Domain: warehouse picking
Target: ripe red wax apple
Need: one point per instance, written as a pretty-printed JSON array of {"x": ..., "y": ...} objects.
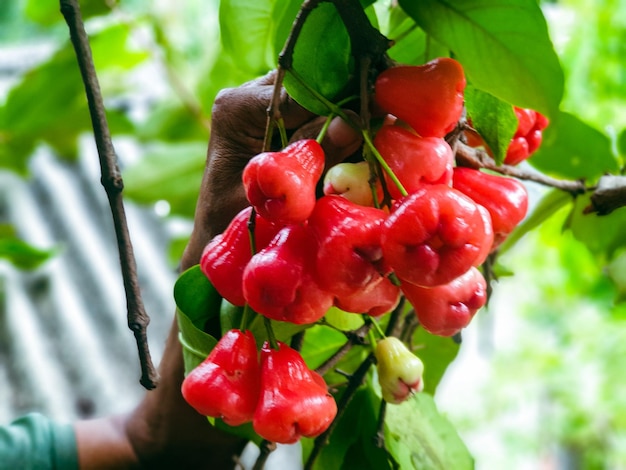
[
  {"x": 281, "y": 185},
  {"x": 446, "y": 309},
  {"x": 428, "y": 97},
  {"x": 278, "y": 281},
  {"x": 506, "y": 199},
  {"x": 294, "y": 401},
  {"x": 413, "y": 159},
  {"x": 226, "y": 384},
  {"x": 434, "y": 235},
  {"x": 349, "y": 254},
  {"x": 226, "y": 256}
]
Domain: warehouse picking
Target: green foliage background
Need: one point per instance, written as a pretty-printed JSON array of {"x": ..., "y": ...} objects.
[{"x": 564, "y": 58}]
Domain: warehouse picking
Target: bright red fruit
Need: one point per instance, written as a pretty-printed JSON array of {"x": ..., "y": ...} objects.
[
  {"x": 434, "y": 235},
  {"x": 413, "y": 159},
  {"x": 226, "y": 384},
  {"x": 281, "y": 185},
  {"x": 528, "y": 135},
  {"x": 349, "y": 254},
  {"x": 278, "y": 281},
  {"x": 506, "y": 199},
  {"x": 375, "y": 299},
  {"x": 428, "y": 97},
  {"x": 225, "y": 257},
  {"x": 294, "y": 400},
  {"x": 446, "y": 309}
]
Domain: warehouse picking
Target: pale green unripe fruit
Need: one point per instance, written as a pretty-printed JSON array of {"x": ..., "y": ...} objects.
[
  {"x": 399, "y": 370},
  {"x": 350, "y": 180}
]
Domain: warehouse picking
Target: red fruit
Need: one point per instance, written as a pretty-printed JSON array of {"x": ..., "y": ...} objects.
[
  {"x": 413, "y": 159},
  {"x": 278, "y": 281},
  {"x": 281, "y": 185},
  {"x": 428, "y": 97},
  {"x": 375, "y": 299},
  {"x": 225, "y": 257},
  {"x": 446, "y": 309},
  {"x": 525, "y": 121},
  {"x": 349, "y": 255},
  {"x": 226, "y": 384},
  {"x": 433, "y": 236},
  {"x": 517, "y": 151},
  {"x": 506, "y": 199},
  {"x": 294, "y": 400}
]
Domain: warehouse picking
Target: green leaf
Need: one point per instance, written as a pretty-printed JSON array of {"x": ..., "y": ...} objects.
[
  {"x": 549, "y": 205},
  {"x": 351, "y": 443},
  {"x": 621, "y": 143},
  {"x": 411, "y": 45},
  {"x": 493, "y": 119},
  {"x": 197, "y": 302},
  {"x": 422, "y": 439},
  {"x": 170, "y": 172},
  {"x": 20, "y": 253},
  {"x": 47, "y": 13},
  {"x": 503, "y": 45},
  {"x": 320, "y": 343},
  {"x": 326, "y": 69},
  {"x": 437, "y": 353},
  {"x": 573, "y": 149},
  {"x": 248, "y": 31},
  {"x": 601, "y": 234}
]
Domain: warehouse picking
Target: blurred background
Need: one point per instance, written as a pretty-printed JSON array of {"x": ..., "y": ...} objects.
[{"x": 539, "y": 381}]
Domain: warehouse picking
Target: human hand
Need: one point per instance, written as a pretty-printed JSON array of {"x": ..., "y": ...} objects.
[
  {"x": 164, "y": 431},
  {"x": 237, "y": 131}
]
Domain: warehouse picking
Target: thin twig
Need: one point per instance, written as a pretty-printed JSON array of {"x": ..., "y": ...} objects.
[
  {"x": 355, "y": 337},
  {"x": 111, "y": 179},
  {"x": 354, "y": 383},
  {"x": 478, "y": 158},
  {"x": 266, "y": 448}
]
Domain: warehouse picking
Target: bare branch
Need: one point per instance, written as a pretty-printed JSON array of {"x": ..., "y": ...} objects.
[{"x": 111, "y": 179}]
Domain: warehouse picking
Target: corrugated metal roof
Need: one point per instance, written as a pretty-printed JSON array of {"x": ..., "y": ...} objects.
[{"x": 65, "y": 349}]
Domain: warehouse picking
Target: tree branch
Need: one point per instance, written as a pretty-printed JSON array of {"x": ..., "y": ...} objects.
[
  {"x": 477, "y": 158},
  {"x": 112, "y": 181}
]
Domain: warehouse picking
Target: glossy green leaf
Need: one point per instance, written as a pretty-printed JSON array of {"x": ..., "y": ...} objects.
[
  {"x": 248, "y": 31},
  {"x": 420, "y": 438},
  {"x": 493, "y": 119},
  {"x": 351, "y": 444},
  {"x": 169, "y": 172},
  {"x": 575, "y": 150},
  {"x": 437, "y": 353},
  {"x": 549, "y": 205},
  {"x": 197, "y": 302},
  {"x": 503, "y": 45},
  {"x": 326, "y": 69},
  {"x": 411, "y": 45},
  {"x": 601, "y": 234},
  {"x": 320, "y": 343}
]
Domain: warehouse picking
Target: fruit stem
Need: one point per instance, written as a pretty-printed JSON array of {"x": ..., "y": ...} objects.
[
  {"x": 383, "y": 163},
  {"x": 324, "y": 128},
  {"x": 271, "y": 337},
  {"x": 379, "y": 330},
  {"x": 245, "y": 317}
]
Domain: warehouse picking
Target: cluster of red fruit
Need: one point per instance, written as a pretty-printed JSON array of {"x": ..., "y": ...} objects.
[
  {"x": 408, "y": 223},
  {"x": 525, "y": 141},
  {"x": 291, "y": 256},
  {"x": 281, "y": 396}
]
